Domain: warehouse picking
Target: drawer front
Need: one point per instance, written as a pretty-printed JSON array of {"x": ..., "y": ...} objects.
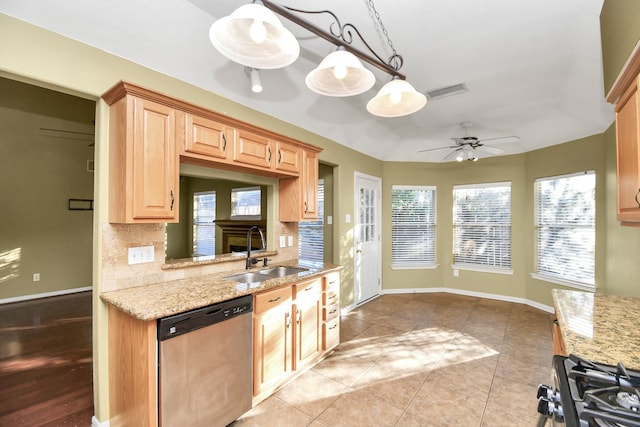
[
  {"x": 331, "y": 334},
  {"x": 332, "y": 282},
  {"x": 331, "y": 311},
  {"x": 267, "y": 300},
  {"x": 309, "y": 289},
  {"x": 330, "y": 298}
]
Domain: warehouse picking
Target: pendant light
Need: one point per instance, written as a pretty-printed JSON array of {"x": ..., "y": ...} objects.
[
  {"x": 396, "y": 98},
  {"x": 254, "y": 36},
  {"x": 340, "y": 74}
]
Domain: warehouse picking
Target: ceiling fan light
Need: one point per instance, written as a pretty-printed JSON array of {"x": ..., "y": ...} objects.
[
  {"x": 396, "y": 98},
  {"x": 340, "y": 74},
  {"x": 254, "y": 36}
]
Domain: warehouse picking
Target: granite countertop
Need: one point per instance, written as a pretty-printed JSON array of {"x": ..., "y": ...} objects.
[
  {"x": 601, "y": 328},
  {"x": 157, "y": 300}
]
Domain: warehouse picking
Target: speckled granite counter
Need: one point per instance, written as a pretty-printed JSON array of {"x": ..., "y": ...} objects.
[
  {"x": 602, "y": 328},
  {"x": 158, "y": 300}
]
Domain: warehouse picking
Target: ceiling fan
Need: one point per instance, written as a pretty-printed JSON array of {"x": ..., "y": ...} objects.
[{"x": 466, "y": 147}]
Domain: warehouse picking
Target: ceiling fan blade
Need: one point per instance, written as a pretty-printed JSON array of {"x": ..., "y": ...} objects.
[
  {"x": 432, "y": 149},
  {"x": 452, "y": 153},
  {"x": 501, "y": 140},
  {"x": 489, "y": 149}
]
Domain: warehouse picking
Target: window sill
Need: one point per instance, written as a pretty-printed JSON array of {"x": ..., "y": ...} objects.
[
  {"x": 568, "y": 283},
  {"x": 414, "y": 266},
  {"x": 482, "y": 269}
]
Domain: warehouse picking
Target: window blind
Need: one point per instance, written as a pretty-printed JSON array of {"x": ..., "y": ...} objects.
[
  {"x": 311, "y": 233},
  {"x": 482, "y": 225},
  {"x": 413, "y": 226},
  {"x": 565, "y": 225},
  {"x": 204, "y": 230}
]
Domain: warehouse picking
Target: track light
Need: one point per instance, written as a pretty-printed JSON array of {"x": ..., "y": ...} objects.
[{"x": 256, "y": 84}]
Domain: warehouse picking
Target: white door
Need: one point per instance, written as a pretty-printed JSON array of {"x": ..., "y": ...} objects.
[{"x": 367, "y": 229}]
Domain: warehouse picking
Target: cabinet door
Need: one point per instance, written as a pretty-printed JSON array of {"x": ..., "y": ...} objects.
[
  {"x": 331, "y": 311},
  {"x": 310, "y": 185},
  {"x": 206, "y": 138},
  {"x": 272, "y": 339},
  {"x": 308, "y": 312},
  {"x": 628, "y": 149},
  {"x": 155, "y": 162},
  {"x": 253, "y": 150},
  {"x": 288, "y": 157}
]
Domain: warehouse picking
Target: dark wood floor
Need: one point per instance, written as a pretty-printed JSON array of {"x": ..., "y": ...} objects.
[{"x": 46, "y": 362}]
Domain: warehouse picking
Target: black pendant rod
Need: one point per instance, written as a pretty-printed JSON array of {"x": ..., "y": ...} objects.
[{"x": 282, "y": 11}]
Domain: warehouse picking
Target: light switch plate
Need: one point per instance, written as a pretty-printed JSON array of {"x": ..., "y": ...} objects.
[
  {"x": 290, "y": 240},
  {"x": 283, "y": 242},
  {"x": 329, "y": 220},
  {"x": 141, "y": 254},
  {"x": 347, "y": 218}
]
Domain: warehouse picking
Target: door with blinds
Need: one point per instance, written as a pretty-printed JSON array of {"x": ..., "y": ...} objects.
[{"x": 367, "y": 228}]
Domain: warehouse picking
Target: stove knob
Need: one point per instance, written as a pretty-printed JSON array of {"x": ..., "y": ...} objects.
[
  {"x": 546, "y": 407},
  {"x": 545, "y": 391}
]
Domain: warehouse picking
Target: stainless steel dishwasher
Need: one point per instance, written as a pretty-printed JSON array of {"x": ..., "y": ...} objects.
[{"x": 205, "y": 365}]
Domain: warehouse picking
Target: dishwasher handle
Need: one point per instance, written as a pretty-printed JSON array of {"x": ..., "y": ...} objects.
[{"x": 182, "y": 323}]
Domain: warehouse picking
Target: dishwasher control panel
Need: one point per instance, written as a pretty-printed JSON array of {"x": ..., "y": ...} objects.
[{"x": 178, "y": 324}]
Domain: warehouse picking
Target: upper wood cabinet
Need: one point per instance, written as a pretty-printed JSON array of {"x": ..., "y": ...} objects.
[
  {"x": 143, "y": 161},
  {"x": 625, "y": 95},
  {"x": 288, "y": 157},
  {"x": 207, "y": 139},
  {"x": 301, "y": 194},
  {"x": 253, "y": 150}
]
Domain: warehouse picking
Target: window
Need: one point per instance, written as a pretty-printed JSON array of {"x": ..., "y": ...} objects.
[
  {"x": 565, "y": 229},
  {"x": 311, "y": 233},
  {"x": 245, "y": 203},
  {"x": 482, "y": 226},
  {"x": 413, "y": 226},
  {"x": 204, "y": 227}
]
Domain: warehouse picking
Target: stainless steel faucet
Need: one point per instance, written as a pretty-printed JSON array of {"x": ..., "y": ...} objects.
[{"x": 250, "y": 261}]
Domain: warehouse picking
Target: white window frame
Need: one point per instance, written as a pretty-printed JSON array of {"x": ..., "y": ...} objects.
[
  {"x": 238, "y": 216},
  {"x": 574, "y": 282},
  {"x": 197, "y": 225},
  {"x": 430, "y": 232},
  {"x": 482, "y": 267}
]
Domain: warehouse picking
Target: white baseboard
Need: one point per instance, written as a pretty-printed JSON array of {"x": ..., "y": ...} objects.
[
  {"x": 96, "y": 423},
  {"x": 530, "y": 303},
  {"x": 45, "y": 295}
]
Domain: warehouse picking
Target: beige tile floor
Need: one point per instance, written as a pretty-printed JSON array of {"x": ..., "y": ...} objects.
[{"x": 422, "y": 360}]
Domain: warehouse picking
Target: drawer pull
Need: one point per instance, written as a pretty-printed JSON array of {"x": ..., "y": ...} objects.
[
  {"x": 333, "y": 296},
  {"x": 334, "y": 311},
  {"x": 333, "y": 281},
  {"x": 310, "y": 288},
  {"x": 275, "y": 299},
  {"x": 333, "y": 327}
]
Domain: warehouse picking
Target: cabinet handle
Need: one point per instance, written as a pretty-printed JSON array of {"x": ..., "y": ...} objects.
[
  {"x": 333, "y": 282},
  {"x": 279, "y": 156},
  {"x": 305, "y": 207},
  {"x": 224, "y": 142},
  {"x": 310, "y": 288},
  {"x": 287, "y": 320},
  {"x": 333, "y": 327},
  {"x": 269, "y": 151},
  {"x": 275, "y": 299},
  {"x": 637, "y": 197},
  {"x": 333, "y": 311},
  {"x": 298, "y": 317},
  {"x": 333, "y": 296},
  {"x": 172, "y": 200}
]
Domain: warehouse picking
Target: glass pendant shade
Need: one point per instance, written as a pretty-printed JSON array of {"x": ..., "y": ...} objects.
[
  {"x": 254, "y": 36},
  {"x": 340, "y": 74},
  {"x": 396, "y": 98}
]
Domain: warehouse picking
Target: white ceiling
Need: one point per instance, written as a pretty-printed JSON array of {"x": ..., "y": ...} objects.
[{"x": 533, "y": 68}]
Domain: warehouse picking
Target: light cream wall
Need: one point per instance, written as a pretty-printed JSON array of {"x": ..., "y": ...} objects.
[
  {"x": 40, "y": 171},
  {"x": 620, "y": 29}
]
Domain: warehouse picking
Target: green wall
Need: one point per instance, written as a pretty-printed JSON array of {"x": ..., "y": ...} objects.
[{"x": 44, "y": 164}]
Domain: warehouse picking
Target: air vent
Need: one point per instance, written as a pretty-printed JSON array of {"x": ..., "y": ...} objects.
[{"x": 446, "y": 91}]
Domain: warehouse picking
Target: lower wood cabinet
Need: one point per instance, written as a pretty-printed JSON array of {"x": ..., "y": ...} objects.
[{"x": 294, "y": 327}]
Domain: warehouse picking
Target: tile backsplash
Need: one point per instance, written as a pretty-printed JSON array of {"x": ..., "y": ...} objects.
[{"x": 118, "y": 238}]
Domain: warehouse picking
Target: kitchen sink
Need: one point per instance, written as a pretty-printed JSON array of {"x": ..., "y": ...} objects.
[
  {"x": 250, "y": 277},
  {"x": 266, "y": 274},
  {"x": 282, "y": 271}
]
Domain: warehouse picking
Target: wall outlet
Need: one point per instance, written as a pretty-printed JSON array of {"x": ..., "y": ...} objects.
[
  {"x": 347, "y": 218},
  {"x": 283, "y": 242},
  {"x": 290, "y": 240},
  {"x": 456, "y": 272},
  {"x": 329, "y": 220},
  {"x": 36, "y": 277},
  {"x": 141, "y": 254}
]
